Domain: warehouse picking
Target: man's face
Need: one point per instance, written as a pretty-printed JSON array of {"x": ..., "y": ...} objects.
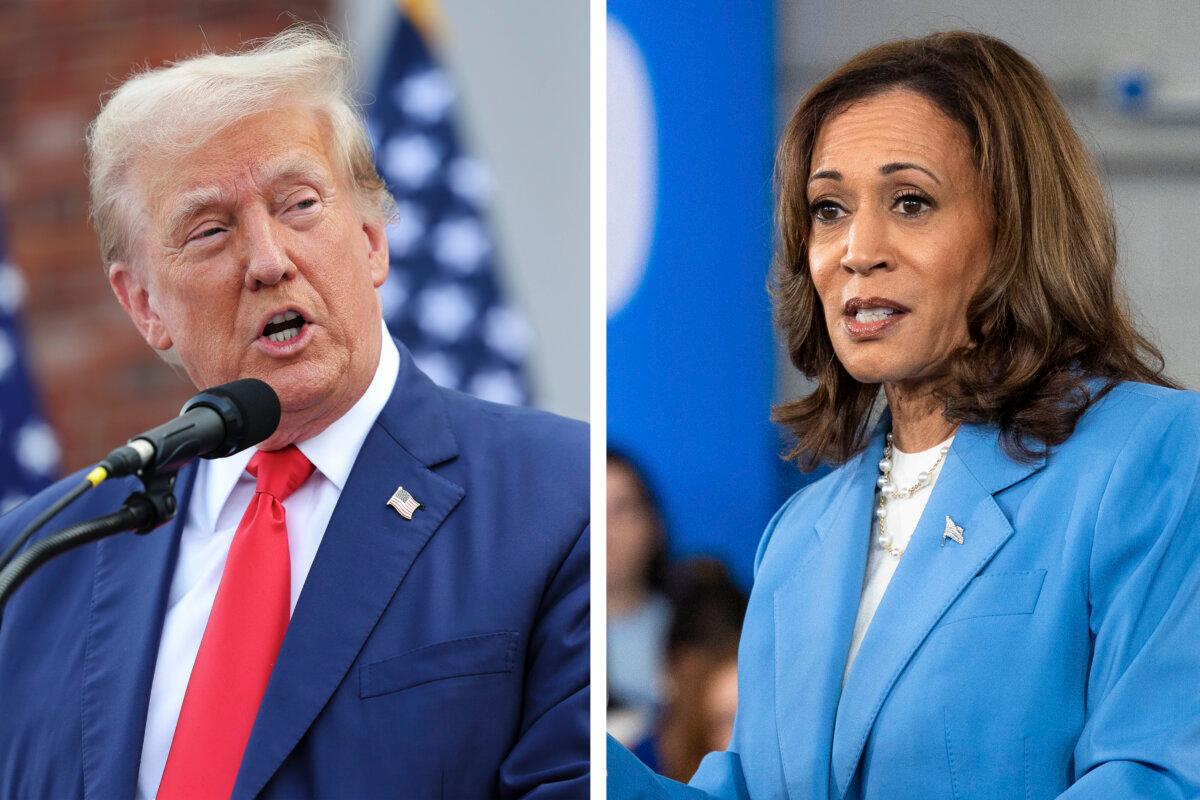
[{"x": 255, "y": 225}]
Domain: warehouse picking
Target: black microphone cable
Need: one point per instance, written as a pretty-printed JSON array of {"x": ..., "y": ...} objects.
[
  {"x": 12, "y": 576},
  {"x": 223, "y": 420},
  {"x": 94, "y": 478}
]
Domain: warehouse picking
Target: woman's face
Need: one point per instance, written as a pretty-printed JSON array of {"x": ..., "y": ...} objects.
[
  {"x": 901, "y": 235},
  {"x": 632, "y": 537},
  {"x": 720, "y": 705}
]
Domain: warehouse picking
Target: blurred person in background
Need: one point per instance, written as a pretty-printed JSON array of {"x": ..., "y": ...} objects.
[
  {"x": 700, "y": 681},
  {"x": 639, "y": 611},
  {"x": 996, "y": 593}
]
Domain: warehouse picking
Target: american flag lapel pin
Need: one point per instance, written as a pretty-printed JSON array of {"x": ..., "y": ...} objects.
[
  {"x": 952, "y": 531},
  {"x": 403, "y": 502}
]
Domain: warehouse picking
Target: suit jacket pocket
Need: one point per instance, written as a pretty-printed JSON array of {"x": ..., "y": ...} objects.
[
  {"x": 487, "y": 654},
  {"x": 995, "y": 594}
]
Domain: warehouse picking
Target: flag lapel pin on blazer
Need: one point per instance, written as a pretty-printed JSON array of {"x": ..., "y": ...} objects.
[
  {"x": 952, "y": 531},
  {"x": 403, "y": 502}
]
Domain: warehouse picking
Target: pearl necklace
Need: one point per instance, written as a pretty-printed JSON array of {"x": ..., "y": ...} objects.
[{"x": 888, "y": 490}]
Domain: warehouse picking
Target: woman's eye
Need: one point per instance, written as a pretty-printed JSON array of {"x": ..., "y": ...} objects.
[
  {"x": 826, "y": 211},
  {"x": 911, "y": 205}
]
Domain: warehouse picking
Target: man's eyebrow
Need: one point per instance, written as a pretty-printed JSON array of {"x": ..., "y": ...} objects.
[
  {"x": 193, "y": 202},
  {"x": 295, "y": 167}
]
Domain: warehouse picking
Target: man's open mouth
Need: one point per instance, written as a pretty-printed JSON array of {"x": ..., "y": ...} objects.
[{"x": 283, "y": 327}]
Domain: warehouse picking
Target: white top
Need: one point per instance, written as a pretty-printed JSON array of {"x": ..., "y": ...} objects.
[
  {"x": 221, "y": 494},
  {"x": 636, "y": 646},
  {"x": 902, "y": 517}
]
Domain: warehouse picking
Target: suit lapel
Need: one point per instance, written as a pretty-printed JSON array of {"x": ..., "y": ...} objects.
[
  {"x": 929, "y": 579},
  {"x": 814, "y": 618},
  {"x": 129, "y": 598},
  {"x": 367, "y": 550}
]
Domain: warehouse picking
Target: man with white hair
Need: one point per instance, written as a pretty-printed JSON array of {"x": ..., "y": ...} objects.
[{"x": 293, "y": 633}]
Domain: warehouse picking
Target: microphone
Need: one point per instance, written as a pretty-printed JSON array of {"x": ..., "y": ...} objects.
[{"x": 217, "y": 422}]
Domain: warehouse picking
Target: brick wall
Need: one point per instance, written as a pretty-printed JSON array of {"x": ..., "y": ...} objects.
[{"x": 99, "y": 381}]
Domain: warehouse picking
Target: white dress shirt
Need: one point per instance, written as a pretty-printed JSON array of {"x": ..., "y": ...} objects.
[
  {"x": 222, "y": 492},
  {"x": 902, "y": 518}
]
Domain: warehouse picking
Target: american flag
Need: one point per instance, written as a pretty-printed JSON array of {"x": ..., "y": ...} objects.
[
  {"x": 28, "y": 449},
  {"x": 404, "y": 503},
  {"x": 441, "y": 298}
]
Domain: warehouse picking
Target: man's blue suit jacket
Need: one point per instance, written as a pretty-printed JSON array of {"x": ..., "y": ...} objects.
[
  {"x": 442, "y": 657},
  {"x": 1054, "y": 653}
]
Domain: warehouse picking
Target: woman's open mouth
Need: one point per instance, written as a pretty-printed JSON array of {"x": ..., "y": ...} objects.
[{"x": 869, "y": 318}]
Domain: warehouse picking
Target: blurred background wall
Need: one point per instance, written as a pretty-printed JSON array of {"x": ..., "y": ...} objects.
[
  {"x": 519, "y": 81},
  {"x": 690, "y": 372},
  {"x": 696, "y": 101}
]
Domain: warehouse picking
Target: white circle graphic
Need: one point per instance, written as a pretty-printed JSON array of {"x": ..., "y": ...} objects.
[{"x": 632, "y": 166}]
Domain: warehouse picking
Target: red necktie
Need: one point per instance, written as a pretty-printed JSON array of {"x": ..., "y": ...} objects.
[{"x": 241, "y": 640}]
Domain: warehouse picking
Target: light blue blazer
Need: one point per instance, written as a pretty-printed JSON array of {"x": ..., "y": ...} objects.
[{"x": 1054, "y": 653}]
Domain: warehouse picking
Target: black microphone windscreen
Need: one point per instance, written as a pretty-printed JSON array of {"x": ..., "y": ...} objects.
[{"x": 259, "y": 407}]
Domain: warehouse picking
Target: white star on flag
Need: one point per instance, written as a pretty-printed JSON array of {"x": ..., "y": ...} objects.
[
  {"x": 446, "y": 311},
  {"x": 412, "y": 159},
  {"x": 427, "y": 96},
  {"x": 460, "y": 244}
]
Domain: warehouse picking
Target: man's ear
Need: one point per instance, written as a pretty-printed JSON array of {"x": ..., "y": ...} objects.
[
  {"x": 134, "y": 297},
  {"x": 377, "y": 251}
]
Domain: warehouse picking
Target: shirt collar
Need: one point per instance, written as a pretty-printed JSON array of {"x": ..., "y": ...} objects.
[{"x": 332, "y": 451}]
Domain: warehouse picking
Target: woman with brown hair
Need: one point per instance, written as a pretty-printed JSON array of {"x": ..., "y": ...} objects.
[
  {"x": 638, "y": 609},
  {"x": 997, "y": 592},
  {"x": 700, "y": 686}
]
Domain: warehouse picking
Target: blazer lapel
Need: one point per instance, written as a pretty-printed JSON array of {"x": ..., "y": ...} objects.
[
  {"x": 367, "y": 550},
  {"x": 129, "y": 598},
  {"x": 929, "y": 579},
  {"x": 814, "y": 618}
]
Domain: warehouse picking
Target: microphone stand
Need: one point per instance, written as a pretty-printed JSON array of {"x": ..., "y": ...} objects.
[{"x": 141, "y": 512}]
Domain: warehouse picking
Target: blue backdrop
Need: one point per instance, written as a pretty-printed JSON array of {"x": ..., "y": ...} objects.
[{"x": 690, "y": 354}]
